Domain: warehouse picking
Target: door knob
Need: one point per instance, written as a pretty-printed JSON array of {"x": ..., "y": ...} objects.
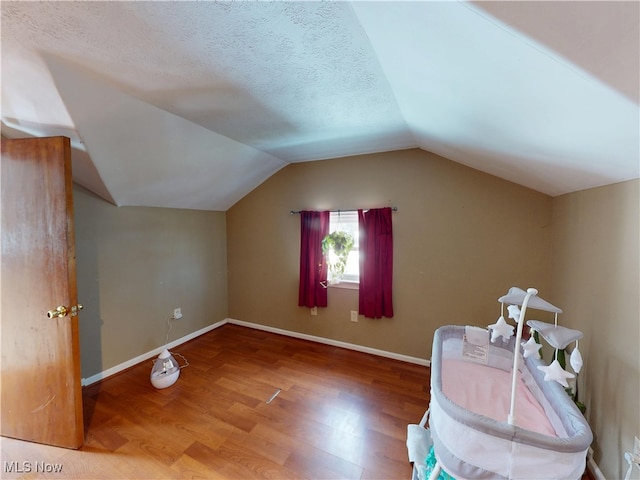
[{"x": 62, "y": 311}]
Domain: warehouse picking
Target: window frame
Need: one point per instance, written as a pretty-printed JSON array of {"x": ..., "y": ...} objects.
[{"x": 347, "y": 218}]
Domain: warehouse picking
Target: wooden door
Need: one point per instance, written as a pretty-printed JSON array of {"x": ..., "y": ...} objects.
[{"x": 40, "y": 391}]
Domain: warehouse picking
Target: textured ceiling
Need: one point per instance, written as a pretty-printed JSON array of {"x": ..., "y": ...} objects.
[{"x": 194, "y": 104}]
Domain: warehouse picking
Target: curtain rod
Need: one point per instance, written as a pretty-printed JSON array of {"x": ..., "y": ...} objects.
[{"x": 394, "y": 209}]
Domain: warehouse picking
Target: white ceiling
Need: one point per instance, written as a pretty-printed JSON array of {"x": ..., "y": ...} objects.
[{"x": 194, "y": 104}]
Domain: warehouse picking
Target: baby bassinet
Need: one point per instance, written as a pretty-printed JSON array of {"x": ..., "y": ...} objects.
[{"x": 548, "y": 438}]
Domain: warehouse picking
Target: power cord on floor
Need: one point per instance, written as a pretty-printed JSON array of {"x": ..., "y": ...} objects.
[
  {"x": 166, "y": 342},
  {"x": 186, "y": 362}
]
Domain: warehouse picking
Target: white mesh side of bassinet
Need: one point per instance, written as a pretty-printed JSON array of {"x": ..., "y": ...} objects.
[
  {"x": 550, "y": 413},
  {"x": 504, "y": 457}
]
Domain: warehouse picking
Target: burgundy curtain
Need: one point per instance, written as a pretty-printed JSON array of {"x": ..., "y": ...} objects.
[
  {"x": 314, "y": 226},
  {"x": 376, "y": 262}
]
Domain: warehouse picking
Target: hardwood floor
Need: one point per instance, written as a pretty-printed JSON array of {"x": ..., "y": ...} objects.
[{"x": 339, "y": 415}]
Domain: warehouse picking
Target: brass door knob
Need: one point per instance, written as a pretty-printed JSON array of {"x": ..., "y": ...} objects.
[{"x": 62, "y": 311}]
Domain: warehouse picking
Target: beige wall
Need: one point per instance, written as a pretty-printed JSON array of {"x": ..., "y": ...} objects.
[
  {"x": 135, "y": 265},
  {"x": 461, "y": 239},
  {"x": 596, "y": 264}
]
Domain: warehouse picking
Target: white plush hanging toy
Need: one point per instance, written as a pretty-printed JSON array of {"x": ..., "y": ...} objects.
[
  {"x": 556, "y": 372},
  {"x": 501, "y": 329},
  {"x": 530, "y": 347},
  {"x": 575, "y": 360},
  {"x": 514, "y": 312}
]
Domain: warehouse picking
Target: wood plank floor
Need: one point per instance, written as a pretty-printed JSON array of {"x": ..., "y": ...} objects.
[{"x": 339, "y": 415}]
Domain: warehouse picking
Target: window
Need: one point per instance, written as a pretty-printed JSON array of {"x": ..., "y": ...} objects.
[{"x": 348, "y": 222}]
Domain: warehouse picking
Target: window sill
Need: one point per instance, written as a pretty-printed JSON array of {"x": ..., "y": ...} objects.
[{"x": 345, "y": 285}]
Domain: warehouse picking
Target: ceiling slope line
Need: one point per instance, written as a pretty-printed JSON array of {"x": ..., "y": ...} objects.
[
  {"x": 150, "y": 157},
  {"x": 83, "y": 170},
  {"x": 473, "y": 95},
  {"x": 525, "y": 39}
]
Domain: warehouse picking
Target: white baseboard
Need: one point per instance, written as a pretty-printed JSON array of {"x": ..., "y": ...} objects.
[
  {"x": 593, "y": 466},
  {"x": 334, "y": 343},
  {"x": 146, "y": 356},
  {"x": 327, "y": 341}
]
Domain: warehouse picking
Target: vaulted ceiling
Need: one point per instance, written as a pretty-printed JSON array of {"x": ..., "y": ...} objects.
[{"x": 194, "y": 104}]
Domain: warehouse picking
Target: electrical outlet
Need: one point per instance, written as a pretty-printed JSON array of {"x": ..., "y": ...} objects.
[
  {"x": 354, "y": 315},
  {"x": 177, "y": 313},
  {"x": 314, "y": 311}
]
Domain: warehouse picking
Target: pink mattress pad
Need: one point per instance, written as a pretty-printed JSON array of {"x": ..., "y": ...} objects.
[{"x": 487, "y": 391}]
